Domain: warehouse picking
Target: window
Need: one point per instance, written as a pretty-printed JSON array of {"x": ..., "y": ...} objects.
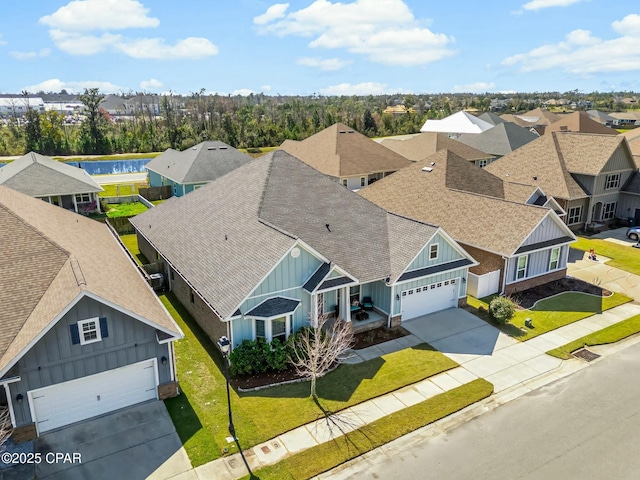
[
  {"x": 83, "y": 198},
  {"x": 279, "y": 329},
  {"x": 418, "y": 290},
  {"x": 521, "y": 270},
  {"x": 89, "y": 331},
  {"x": 554, "y": 260},
  {"x": 260, "y": 329},
  {"x": 612, "y": 181},
  {"x": 482, "y": 163},
  {"x": 363, "y": 181},
  {"x": 344, "y": 182},
  {"x": 575, "y": 215},
  {"x": 608, "y": 211},
  {"x": 433, "y": 251}
]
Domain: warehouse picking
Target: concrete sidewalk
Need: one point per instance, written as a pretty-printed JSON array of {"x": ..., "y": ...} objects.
[{"x": 515, "y": 368}]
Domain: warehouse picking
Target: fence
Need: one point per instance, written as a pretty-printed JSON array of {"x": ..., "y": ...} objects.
[
  {"x": 121, "y": 225},
  {"x": 156, "y": 193}
]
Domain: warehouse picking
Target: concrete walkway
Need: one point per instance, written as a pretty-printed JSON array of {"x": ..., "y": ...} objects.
[{"x": 514, "y": 368}]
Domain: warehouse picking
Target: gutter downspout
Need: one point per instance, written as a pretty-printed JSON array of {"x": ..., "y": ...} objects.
[{"x": 504, "y": 276}]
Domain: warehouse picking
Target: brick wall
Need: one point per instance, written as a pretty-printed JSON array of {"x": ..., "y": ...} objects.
[
  {"x": 489, "y": 262},
  {"x": 396, "y": 321},
  {"x": 146, "y": 249},
  {"x": 462, "y": 302},
  {"x": 534, "y": 282},
  {"x": 200, "y": 311}
]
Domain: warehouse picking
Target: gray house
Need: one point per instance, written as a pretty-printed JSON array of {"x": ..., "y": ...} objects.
[
  {"x": 52, "y": 181},
  {"x": 82, "y": 332}
]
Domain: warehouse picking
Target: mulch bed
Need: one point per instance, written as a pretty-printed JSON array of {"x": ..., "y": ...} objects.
[
  {"x": 378, "y": 335},
  {"x": 528, "y": 298},
  {"x": 361, "y": 340}
]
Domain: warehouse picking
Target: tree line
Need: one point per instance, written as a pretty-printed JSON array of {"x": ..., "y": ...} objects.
[{"x": 252, "y": 121}]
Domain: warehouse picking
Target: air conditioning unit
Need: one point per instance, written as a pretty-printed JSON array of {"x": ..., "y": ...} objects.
[{"x": 157, "y": 281}]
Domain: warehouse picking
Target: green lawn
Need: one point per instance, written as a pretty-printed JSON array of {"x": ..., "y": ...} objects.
[
  {"x": 125, "y": 209},
  {"x": 553, "y": 312},
  {"x": 623, "y": 257},
  {"x": 200, "y": 412},
  {"x": 322, "y": 458},
  {"x": 121, "y": 190},
  {"x": 611, "y": 334},
  {"x": 130, "y": 242}
]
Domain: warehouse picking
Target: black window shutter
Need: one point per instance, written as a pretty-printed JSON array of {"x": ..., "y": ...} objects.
[
  {"x": 75, "y": 334},
  {"x": 104, "y": 331}
]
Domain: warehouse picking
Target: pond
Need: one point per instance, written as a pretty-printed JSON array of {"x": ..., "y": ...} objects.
[{"x": 107, "y": 167}]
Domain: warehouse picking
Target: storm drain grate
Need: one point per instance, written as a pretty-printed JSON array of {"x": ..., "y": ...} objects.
[{"x": 585, "y": 355}]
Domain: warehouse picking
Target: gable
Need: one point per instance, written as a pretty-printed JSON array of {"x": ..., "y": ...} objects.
[
  {"x": 550, "y": 229},
  {"x": 446, "y": 253},
  {"x": 621, "y": 159}
]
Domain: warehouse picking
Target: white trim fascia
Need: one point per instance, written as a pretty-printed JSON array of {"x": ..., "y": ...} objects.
[
  {"x": 341, "y": 272},
  {"x": 454, "y": 243},
  {"x": 466, "y": 267},
  {"x": 12, "y": 415},
  {"x": 338, "y": 287},
  {"x": 542, "y": 249},
  {"x": 537, "y": 190},
  {"x": 270, "y": 294},
  {"x": 172, "y": 367},
  {"x": 555, "y": 206}
]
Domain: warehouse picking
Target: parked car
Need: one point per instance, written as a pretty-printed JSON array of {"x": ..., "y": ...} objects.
[{"x": 633, "y": 233}]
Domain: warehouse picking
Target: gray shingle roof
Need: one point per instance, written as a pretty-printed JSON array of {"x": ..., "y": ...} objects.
[
  {"x": 203, "y": 163},
  {"x": 242, "y": 224},
  {"x": 38, "y": 176},
  {"x": 492, "y": 118},
  {"x": 274, "y": 306},
  {"x": 499, "y": 140},
  {"x": 424, "y": 144},
  {"x": 317, "y": 277}
]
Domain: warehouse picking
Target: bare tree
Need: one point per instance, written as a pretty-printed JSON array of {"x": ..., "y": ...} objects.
[
  {"x": 5, "y": 426},
  {"x": 318, "y": 349}
]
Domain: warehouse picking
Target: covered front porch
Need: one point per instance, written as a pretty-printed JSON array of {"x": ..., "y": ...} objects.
[{"x": 80, "y": 203}]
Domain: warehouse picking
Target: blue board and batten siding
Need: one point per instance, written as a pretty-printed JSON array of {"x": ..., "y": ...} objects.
[
  {"x": 55, "y": 358},
  {"x": 379, "y": 292},
  {"x": 286, "y": 280},
  {"x": 177, "y": 189},
  {"x": 446, "y": 253}
]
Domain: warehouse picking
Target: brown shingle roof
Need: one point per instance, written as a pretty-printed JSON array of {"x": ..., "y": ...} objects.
[
  {"x": 52, "y": 256},
  {"x": 339, "y": 151},
  {"x": 475, "y": 219},
  {"x": 541, "y": 163},
  {"x": 579, "y": 122},
  {"x": 427, "y": 143}
]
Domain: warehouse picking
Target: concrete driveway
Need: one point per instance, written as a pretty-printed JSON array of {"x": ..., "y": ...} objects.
[
  {"x": 597, "y": 272},
  {"x": 134, "y": 443}
]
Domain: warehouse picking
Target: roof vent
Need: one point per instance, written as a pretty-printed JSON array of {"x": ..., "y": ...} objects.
[
  {"x": 433, "y": 163},
  {"x": 342, "y": 131},
  {"x": 211, "y": 148},
  {"x": 535, "y": 177},
  {"x": 350, "y": 131},
  {"x": 327, "y": 225},
  {"x": 427, "y": 169},
  {"x": 222, "y": 148}
]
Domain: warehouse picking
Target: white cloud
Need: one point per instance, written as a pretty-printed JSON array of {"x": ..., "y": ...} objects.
[
  {"x": 87, "y": 15},
  {"x": 365, "y": 88},
  {"x": 73, "y": 30},
  {"x": 151, "y": 84},
  {"x": 44, "y": 52},
  {"x": 55, "y": 85},
  {"x": 156, "y": 48},
  {"x": 539, "y": 4},
  {"x": 478, "y": 87},
  {"x": 244, "y": 92},
  {"x": 274, "y": 12},
  {"x": 2, "y": 42},
  {"x": 384, "y": 31},
  {"x": 265, "y": 88},
  {"x": 583, "y": 53},
  {"x": 328, "y": 64}
]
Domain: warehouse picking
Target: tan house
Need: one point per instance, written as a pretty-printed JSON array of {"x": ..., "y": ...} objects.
[
  {"x": 584, "y": 173},
  {"x": 421, "y": 145},
  {"x": 512, "y": 231},
  {"x": 579, "y": 122},
  {"x": 347, "y": 156}
]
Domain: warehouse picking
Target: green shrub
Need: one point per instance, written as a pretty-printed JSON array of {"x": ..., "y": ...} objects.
[
  {"x": 278, "y": 357},
  {"x": 502, "y": 309},
  {"x": 258, "y": 356},
  {"x": 254, "y": 150}
]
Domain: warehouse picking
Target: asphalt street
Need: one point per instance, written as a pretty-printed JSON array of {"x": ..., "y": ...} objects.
[{"x": 585, "y": 426}]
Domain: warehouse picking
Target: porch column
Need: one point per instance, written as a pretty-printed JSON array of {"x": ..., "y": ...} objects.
[
  {"x": 96, "y": 198},
  {"x": 345, "y": 304},
  {"x": 314, "y": 310},
  {"x": 75, "y": 204},
  {"x": 589, "y": 212}
]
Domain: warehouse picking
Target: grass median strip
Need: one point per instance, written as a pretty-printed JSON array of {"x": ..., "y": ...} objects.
[
  {"x": 331, "y": 454},
  {"x": 611, "y": 334}
]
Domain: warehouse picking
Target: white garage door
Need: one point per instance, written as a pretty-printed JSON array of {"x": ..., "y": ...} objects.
[
  {"x": 76, "y": 400},
  {"x": 429, "y": 299}
]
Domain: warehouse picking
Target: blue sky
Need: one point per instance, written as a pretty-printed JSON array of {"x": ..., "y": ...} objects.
[{"x": 320, "y": 46}]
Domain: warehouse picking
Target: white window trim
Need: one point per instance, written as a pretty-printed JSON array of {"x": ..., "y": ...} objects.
[
  {"x": 363, "y": 181},
  {"x": 80, "y": 195},
  {"x": 82, "y": 323},
  {"x": 345, "y": 182},
  {"x": 612, "y": 213},
  {"x": 578, "y": 216},
  {"x": 557, "y": 260},
  {"x": 437, "y": 245},
  {"x": 524, "y": 268},
  {"x": 614, "y": 179},
  {"x": 268, "y": 326}
]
